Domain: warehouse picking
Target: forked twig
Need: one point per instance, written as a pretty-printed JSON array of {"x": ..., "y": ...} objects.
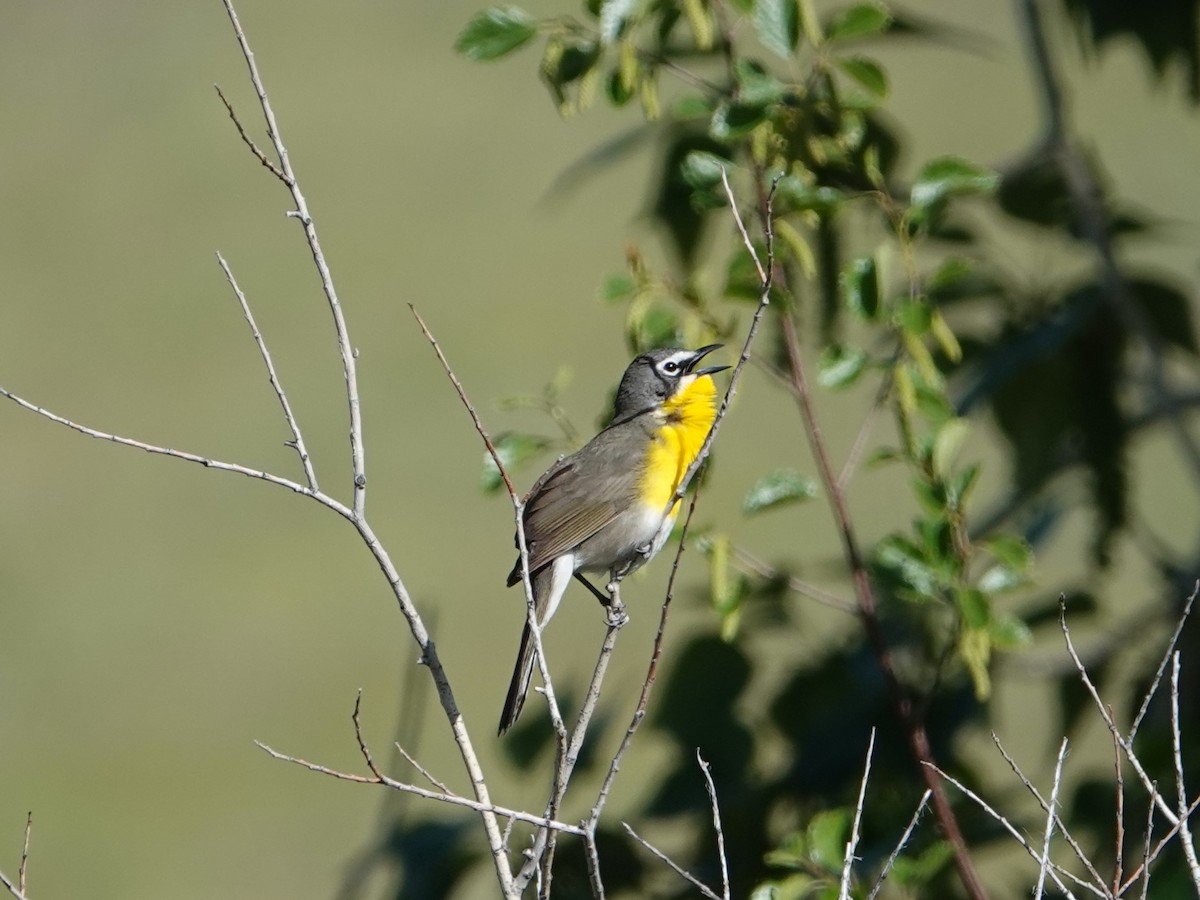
[{"x": 297, "y": 441}]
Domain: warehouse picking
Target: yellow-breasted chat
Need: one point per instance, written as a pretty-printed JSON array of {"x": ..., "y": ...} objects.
[{"x": 609, "y": 507}]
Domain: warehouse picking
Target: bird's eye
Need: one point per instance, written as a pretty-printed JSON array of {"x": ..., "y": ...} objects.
[{"x": 671, "y": 367}]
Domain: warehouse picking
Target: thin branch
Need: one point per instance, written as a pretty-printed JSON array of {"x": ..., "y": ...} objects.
[
  {"x": 1162, "y": 663},
  {"x": 1119, "y": 852},
  {"x": 695, "y": 882},
  {"x": 1126, "y": 745},
  {"x": 1046, "y": 808},
  {"x": 1166, "y": 839},
  {"x": 452, "y": 799},
  {"x": 593, "y": 866},
  {"x": 362, "y": 744},
  {"x": 323, "y": 499},
  {"x": 904, "y": 838},
  {"x": 716, "y": 820},
  {"x": 1052, "y": 869},
  {"x": 1146, "y": 857},
  {"x": 748, "y": 562},
  {"x": 24, "y": 864},
  {"x": 297, "y": 441},
  {"x": 852, "y": 844},
  {"x": 1051, "y": 818},
  {"x": 247, "y": 140},
  {"x": 1185, "y": 831},
  {"x": 424, "y": 772},
  {"x": 288, "y": 176}
]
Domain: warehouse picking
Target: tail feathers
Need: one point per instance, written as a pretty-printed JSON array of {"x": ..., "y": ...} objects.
[
  {"x": 519, "y": 686},
  {"x": 549, "y": 583}
]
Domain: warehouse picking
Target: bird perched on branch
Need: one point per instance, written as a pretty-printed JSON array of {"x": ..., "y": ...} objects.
[{"x": 610, "y": 506}]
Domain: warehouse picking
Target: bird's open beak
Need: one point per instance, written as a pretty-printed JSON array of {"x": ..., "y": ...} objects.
[{"x": 699, "y": 355}]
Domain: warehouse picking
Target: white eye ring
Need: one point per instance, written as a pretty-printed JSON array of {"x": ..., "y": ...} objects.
[{"x": 670, "y": 367}]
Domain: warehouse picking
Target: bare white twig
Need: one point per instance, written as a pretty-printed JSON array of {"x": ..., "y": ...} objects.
[
  {"x": 1051, "y": 818},
  {"x": 684, "y": 873},
  {"x": 1126, "y": 745},
  {"x": 17, "y": 888},
  {"x": 297, "y": 441},
  {"x": 452, "y": 799},
  {"x": 1185, "y": 831},
  {"x": 1046, "y": 808},
  {"x": 1054, "y": 871},
  {"x": 349, "y": 367},
  {"x": 852, "y": 844},
  {"x": 1162, "y": 663},
  {"x": 891, "y": 860},
  {"x": 716, "y": 820}
]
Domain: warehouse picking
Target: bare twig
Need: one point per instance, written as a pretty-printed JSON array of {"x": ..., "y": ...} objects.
[
  {"x": 1161, "y": 844},
  {"x": 288, "y": 176},
  {"x": 1046, "y": 808},
  {"x": 1054, "y": 871},
  {"x": 683, "y": 873},
  {"x": 17, "y": 888},
  {"x": 1162, "y": 663},
  {"x": 452, "y": 799},
  {"x": 1185, "y": 831},
  {"x": 1051, "y": 818},
  {"x": 852, "y": 844},
  {"x": 891, "y": 860},
  {"x": 1119, "y": 778},
  {"x": 247, "y": 140},
  {"x": 408, "y": 758},
  {"x": 358, "y": 736},
  {"x": 716, "y": 820},
  {"x": 1126, "y": 745},
  {"x": 1146, "y": 857},
  {"x": 297, "y": 441},
  {"x": 24, "y": 864}
]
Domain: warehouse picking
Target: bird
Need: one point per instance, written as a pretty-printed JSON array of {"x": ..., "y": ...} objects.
[{"x": 611, "y": 505}]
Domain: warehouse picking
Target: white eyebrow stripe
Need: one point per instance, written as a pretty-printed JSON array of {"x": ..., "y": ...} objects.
[{"x": 678, "y": 358}]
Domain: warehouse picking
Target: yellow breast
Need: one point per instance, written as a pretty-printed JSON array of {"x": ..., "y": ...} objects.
[{"x": 686, "y": 419}]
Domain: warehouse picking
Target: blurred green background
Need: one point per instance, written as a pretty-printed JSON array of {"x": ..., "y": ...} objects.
[{"x": 157, "y": 618}]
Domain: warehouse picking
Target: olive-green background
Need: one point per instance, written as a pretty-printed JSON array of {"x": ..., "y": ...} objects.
[{"x": 157, "y": 618}]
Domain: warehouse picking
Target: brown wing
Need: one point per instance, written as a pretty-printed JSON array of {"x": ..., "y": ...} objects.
[{"x": 564, "y": 509}]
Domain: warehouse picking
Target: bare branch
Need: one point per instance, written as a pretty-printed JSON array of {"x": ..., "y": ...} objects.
[
  {"x": 1046, "y": 808},
  {"x": 247, "y": 140},
  {"x": 24, "y": 864},
  {"x": 297, "y": 441},
  {"x": 891, "y": 860},
  {"x": 696, "y": 882},
  {"x": 852, "y": 844},
  {"x": 716, "y": 820},
  {"x": 1051, "y": 818},
  {"x": 1162, "y": 664},
  {"x": 1053, "y": 870},
  {"x": 323, "y": 499},
  {"x": 1185, "y": 831},
  {"x": 452, "y": 799},
  {"x": 288, "y": 175}
]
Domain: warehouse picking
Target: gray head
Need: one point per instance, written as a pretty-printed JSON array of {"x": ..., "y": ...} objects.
[{"x": 657, "y": 375}]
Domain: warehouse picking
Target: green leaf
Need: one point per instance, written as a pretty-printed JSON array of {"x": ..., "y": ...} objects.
[
  {"x": 943, "y": 178},
  {"x": 1010, "y": 633},
  {"x": 513, "y": 448},
  {"x": 860, "y": 21},
  {"x": 495, "y": 32},
  {"x": 1000, "y": 578},
  {"x": 840, "y": 366},
  {"x": 868, "y": 73},
  {"x": 777, "y": 25},
  {"x": 860, "y": 287},
  {"x": 906, "y": 562},
  {"x": 827, "y": 832},
  {"x": 617, "y": 287},
  {"x": 735, "y": 120},
  {"x": 1010, "y": 550},
  {"x": 777, "y": 489},
  {"x": 949, "y": 441},
  {"x": 800, "y": 194},
  {"x": 701, "y": 169}
]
